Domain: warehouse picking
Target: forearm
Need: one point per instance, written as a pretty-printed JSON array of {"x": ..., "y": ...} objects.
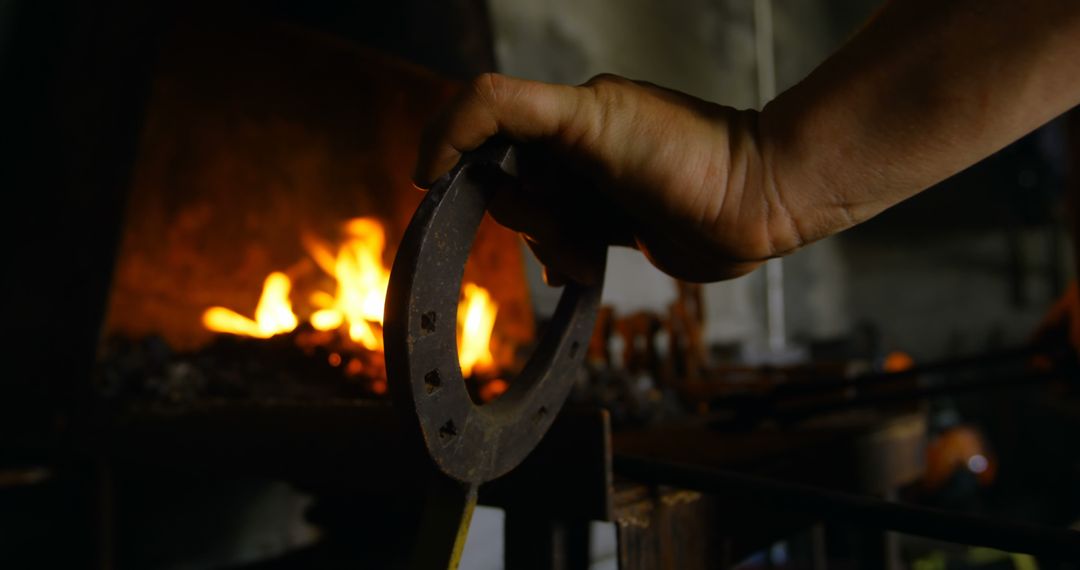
[{"x": 926, "y": 89}]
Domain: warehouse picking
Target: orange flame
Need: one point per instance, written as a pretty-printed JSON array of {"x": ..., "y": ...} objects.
[
  {"x": 476, "y": 320},
  {"x": 361, "y": 283},
  {"x": 357, "y": 303},
  {"x": 273, "y": 315}
]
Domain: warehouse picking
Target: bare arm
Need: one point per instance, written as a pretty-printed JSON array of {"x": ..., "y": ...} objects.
[{"x": 926, "y": 89}]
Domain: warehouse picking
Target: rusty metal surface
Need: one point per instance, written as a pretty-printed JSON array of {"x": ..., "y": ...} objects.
[{"x": 471, "y": 443}]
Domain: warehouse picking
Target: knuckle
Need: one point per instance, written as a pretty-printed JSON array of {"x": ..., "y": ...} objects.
[
  {"x": 608, "y": 98},
  {"x": 609, "y": 90},
  {"x": 604, "y": 79},
  {"x": 487, "y": 87},
  {"x": 604, "y": 95}
]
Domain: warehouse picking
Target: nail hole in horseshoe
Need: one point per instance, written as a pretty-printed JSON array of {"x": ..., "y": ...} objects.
[
  {"x": 427, "y": 321},
  {"x": 432, "y": 381},
  {"x": 574, "y": 346},
  {"x": 540, "y": 414},
  {"x": 448, "y": 430}
]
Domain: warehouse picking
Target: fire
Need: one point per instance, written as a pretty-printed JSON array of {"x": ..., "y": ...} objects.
[
  {"x": 357, "y": 303},
  {"x": 273, "y": 315},
  {"x": 361, "y": 283},
  {"x": 476, "y": 320}
]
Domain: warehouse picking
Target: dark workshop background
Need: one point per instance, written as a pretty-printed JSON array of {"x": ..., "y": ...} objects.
[{"x": 969, "y": 266}]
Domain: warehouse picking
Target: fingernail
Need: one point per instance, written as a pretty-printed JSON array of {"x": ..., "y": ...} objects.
[{"x": 419, "y": 181}]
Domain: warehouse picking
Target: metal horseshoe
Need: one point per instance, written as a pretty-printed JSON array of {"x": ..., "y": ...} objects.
[{"x": 470, "y": 444}]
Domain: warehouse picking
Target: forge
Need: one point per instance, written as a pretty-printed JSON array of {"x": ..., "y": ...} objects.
[{"x": 270, "y": 188}]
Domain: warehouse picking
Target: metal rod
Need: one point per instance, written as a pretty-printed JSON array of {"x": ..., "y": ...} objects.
[
  {"x": 876, "y": 379},
  {"x": 928, "y": 522},
  {"x": 791, "y": 408},
  {"x": 917, "y": 393},
  {"x": 880, "y": 380}
]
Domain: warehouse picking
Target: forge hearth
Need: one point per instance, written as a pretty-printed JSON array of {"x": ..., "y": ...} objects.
[{"x": 271, "y": 184}]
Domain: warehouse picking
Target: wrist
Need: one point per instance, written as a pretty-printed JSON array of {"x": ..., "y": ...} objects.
[
  {"x": 758, "y": 211},
  {"x": 808, "y": 161}
]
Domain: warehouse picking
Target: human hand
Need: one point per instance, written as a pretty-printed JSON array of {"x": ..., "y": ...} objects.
[{"x": 619, "y": 162}]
